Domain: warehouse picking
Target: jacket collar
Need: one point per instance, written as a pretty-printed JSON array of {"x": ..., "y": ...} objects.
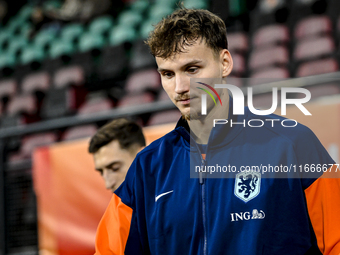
[{"x": 220, "y": 135}]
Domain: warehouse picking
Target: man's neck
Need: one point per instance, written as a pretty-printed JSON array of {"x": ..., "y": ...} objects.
[{"x": 201, "y": 128}]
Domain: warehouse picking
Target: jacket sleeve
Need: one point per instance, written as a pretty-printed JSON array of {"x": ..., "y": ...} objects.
[
  {"x": 113, "y": 229},
  {"x": 323, "y": 203},
  {"x": 118, "y": 231}
]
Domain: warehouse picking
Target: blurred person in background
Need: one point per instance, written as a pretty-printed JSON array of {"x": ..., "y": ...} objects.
[{"x": 114, "y": 147}]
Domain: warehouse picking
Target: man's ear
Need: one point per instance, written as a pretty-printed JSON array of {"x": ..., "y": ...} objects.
[{"x": 227, "y": 62}]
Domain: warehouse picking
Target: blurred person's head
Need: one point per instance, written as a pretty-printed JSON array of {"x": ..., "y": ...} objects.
[
  {"x": 114, "y": 147},
  {"x": 188, "y": 44}
]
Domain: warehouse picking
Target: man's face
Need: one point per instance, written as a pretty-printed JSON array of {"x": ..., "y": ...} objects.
[
  {"x": 113, "y": 162},
  {"x": 198, "y": 61}
]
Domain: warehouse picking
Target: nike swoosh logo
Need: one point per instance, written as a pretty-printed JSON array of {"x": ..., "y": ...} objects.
[{"x": 163, "y": 194}]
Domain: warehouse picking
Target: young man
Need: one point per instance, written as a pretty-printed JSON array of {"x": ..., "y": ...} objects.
[
  {"x": 114, "y": 147},
  {"x": 161, "y": 209}
]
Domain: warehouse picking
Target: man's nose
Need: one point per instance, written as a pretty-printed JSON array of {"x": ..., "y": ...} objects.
[
  {"x": 107, "y": 179},
  {"x": 182, "y": 84}
]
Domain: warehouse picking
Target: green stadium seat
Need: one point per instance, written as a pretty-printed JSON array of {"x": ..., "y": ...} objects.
[
  {"x": 5, "y": 36},
  {"x": 146, "y": 28},
  {"x": 196, "y": 4},
  {"x": 139, "y": 6},
  {"x": 61, "y": 47},
  {"x": 32, "y": 53},
  {"x": 25, "y": 12},
  {"x": 7, "y": 59},
  {"x": 44, "y": 37},
  {"x": 90, "y": 41},
  {"x": 72, "y": 31},
  {"x": 121, "y": 34},
  {"x": 130, "y": 18},
  {"x": 17, "y": 44},
  {"x": 101, "y": 25},
  {"x": 25, "y": 30},
  {"x": 157, "y": 12}
]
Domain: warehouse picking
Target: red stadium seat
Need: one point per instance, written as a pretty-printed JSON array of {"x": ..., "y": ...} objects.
[
  {"x": 237, "y": 42},
  {"x": 276, "y": 55},
  {"x": 268, "y": 75},
  {"x": 312, "y": 26},
  {"x": 95, "y": 105},
  {"x": 239, "y": 64},
  {"x": 22, "y": 104},
  {"x": 30, "y": 142},
  {"x": 69, "y": 75},
  {"x": 33, "y": 82},
  {"x": 8, "y": 88},
  {"x": 317, "y": 67},
  {"x": 142, "y": 81},
  {"x": 136, "y": 100},
  {"x": 163, "y": 96},
  {"x": 164, "y": 117},
  {"x": 322, "y": 90},
  {"x": 271, "y": 34},
  {"x": 79, "y": 132},
  {"x": 314, "y": 48}
]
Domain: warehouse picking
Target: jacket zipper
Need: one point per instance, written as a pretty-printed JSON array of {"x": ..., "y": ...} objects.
[{"x": 202, "y": 182}]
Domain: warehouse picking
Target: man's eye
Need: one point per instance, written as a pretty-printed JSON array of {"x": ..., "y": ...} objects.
[
  {"x": 115, "y": 169},
  {"x": 192, "y": 69},
  {"x": 167, "y": 74}
]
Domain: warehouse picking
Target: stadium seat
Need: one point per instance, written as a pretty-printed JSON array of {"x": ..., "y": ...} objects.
[
  {"x": 272, "y": 56},
  {"x": 32, "y": 53},
  {"x": 130, "y": 18},
  {"x": 17, "y": 44},
  {"x": 158, "y": 11},
  {"x": 317, "y": 67},
  {"x": 101, "y": 25},
  {"x": 90, "y": 41},
  {"x": 30, "y": 142},
  {"x": 68, "y": 75},
  {"x": 121, "y": 34},
  {"x": 163, "y": 96},
  {"x": 270, "y": 35},
  {"x": 44, "y": 38},
  {"x": 237, "y": 42},
  {"x": 61, "y": 48},
  {"x": 313, "y": 26},
  {"x": 62, "y": 101},
  {"x": 145, "y": 28},
  {"x": 7, "y": 59},
  {"x": 79, "y": 132},
  {"x": 268, "y": 75},
  {"x": 164, "y": 117},
  {"x": 201, "y": 4},
  {"x": 5, "y": 36},
  {"x": 139, "y": 6},
  {"x": 35, "y": 82},
  {"x": 8, "y": 88},
  {"x": 113, "y": 63},
  {"x": 239, "y": 66},
  {"x": 144, "y": 80},
  {"x": 314, "y": 48},
  {"x": 95, "y": 104},
  {"x": 22, "y": 104},
  {"x": 133, "y": 100},
  {"x": 72, "y": 31},
  {"x": 141, "y": 57}
]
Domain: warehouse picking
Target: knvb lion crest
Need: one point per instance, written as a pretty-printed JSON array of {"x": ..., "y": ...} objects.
[{"x": 247, "y": 185}]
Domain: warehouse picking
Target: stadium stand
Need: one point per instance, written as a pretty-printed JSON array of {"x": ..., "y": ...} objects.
[{"x": 82, "y": 68}]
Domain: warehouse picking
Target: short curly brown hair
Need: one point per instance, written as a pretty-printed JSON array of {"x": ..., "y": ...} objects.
[{"x": 183, "y": 28}]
